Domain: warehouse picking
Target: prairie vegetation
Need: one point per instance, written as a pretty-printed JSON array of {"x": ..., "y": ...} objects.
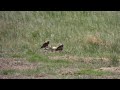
[{"x": 91, "y": 41}]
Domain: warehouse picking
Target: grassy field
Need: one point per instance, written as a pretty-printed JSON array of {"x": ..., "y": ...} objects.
[{"x": 91, "y": 41}]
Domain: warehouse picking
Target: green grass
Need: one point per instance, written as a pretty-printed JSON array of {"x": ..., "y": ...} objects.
[
  {"x": 114, "y": 60},
  {"x": 37, "y": 58},
  {"x": 7, "y": 72},
  {"x": 84, "y": 34}
]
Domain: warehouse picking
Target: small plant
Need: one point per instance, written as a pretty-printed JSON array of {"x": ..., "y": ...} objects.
[{"x": 35, "y": 34}]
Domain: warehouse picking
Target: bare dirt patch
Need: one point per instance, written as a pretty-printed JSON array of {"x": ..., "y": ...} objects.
[
  {"x": 92, "y": 59},
  {"x": 77, "y": 58},
  {"x": 98, "y": 77},
  {"x": 67, "y": 71},
  {"x": 111, "y": 69},
  {"x": 16, "y": 64},
  {"x": 37, "y": 76}
]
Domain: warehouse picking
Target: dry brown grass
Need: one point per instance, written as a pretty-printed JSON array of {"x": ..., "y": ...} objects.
[{"x": 94, "y": 39}]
